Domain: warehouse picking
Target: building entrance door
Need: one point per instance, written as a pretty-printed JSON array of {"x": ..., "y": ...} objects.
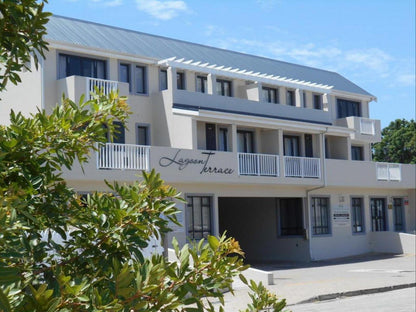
[{"x": 378, "y": 214}]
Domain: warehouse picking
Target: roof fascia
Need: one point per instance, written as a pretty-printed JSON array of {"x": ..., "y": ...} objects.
[
  {"x": 355, "y": 96},
  {"x": 270, "y": 123}
]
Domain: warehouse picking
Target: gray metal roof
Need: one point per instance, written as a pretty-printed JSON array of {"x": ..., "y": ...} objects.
[{"x": 92, "y": 35}]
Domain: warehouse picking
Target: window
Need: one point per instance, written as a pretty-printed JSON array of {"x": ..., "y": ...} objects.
[
  {"x": 124, "y": 73},
  {"x": 304, "y": 99},
  {"x": 348, "y": 108},
  {"x": 119, "y": 134},
  {"x": 201, "y": 84},
  {"x": 223, "y": 87},
  {"x": 270, "y": 95},
  {"x": 290, "y": 97},
  {"x": 140, "y": 79},
  {"x": 180, "y": 80},
  {"x": 245, "y": 141},
  {"x": 357, "y": 217},
  {"x": 210, "y": 136},
  {"x": 398, "y": 212},
  {"x": 198, "y": 216},
  {"x": 291, "y": 145},
  {"x": 222, "y": 139},
  {"x": 290, "y": 216},
  {"x": 163, "y": 79},
  {"x": 143, "y": 137},
  {"x": 378, "y": 214},
  {"x": 320, "y": 215},
  {"x": 357, "y": 153},
  {"x": 317, "y": 101},
  {"x": 70, "y": 65}
]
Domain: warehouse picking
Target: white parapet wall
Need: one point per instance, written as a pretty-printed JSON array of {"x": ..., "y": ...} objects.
[{"x": 392, "y": 242}]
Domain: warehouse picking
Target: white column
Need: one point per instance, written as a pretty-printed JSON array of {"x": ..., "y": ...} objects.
[
  {"x": 172, "y": 83},
  {"x": 281, "y": 152},
  {"x": 349, "y": 148},
  {"x": 211, "y": 84},
  {"x": 234, "y": 138},
  {"x": 298, "y": 98},
  {"x": 325, "y": 102},
  {"x": 282, "y": 95},
  {"x": 194, "y": 135}
]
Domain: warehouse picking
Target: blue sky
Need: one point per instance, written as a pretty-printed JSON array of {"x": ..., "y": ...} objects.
[{"x": 370, "y": 42}]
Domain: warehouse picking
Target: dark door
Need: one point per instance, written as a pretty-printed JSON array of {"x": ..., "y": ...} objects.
[
  {"x": 291, "y": 145},
  {"x": 378, "y": 214},
  {"x": 210, "y": 137},
  {"x": 308, "y": 145}
]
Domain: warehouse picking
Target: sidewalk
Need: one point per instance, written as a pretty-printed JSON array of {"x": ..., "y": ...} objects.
[{"x": 328, "y": 279}]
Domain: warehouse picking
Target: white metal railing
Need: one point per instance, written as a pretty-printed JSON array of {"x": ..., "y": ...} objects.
[
  {"x": 258, "y": 164},
  {"x": 367, "y": 126},
  {"x": 302, "y": 167},
  {"x": 389, "y": 172},
  {"x": 123, "y": 156},
  {"x": 102, "y": 84}
]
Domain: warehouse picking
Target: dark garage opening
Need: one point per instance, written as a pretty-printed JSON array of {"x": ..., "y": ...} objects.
[{"x": 268, "y": 229}]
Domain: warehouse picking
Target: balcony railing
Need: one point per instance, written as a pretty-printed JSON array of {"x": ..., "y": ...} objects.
[
  {"x": 389, "y": 172},
  {"x": 302, "y": 167},
  {"x": 258, "y": 164},
  {"x": 367, "y": 126},
  {"x": 102, "y": 84},
  {"x": 123, "y": 156}
]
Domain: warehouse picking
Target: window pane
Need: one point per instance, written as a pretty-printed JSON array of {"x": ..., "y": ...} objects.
[
  {"x": 290, "y": 98},
  {"x": 317, "y": 101},
  {"x": 124, "y": 73},
  {"x": 198, "y": 216},
  {"x": 222, "y": 141},
  {"x": 119, "y": 134},
  {"x": 163, "y": 79},
  {"x": 219, "y": 88},
  {"x": 139, "y": 77},
  {"x": 320, "y": 211},
  {"x": 227, "y": 88},
  {"x": 348, "y": 108},
  {"x": 142, "y": 135},
  {"x": 180, "y": 81}
]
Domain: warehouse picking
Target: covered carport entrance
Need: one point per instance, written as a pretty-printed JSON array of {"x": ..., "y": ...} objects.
[{"x": 268, "y": 228}]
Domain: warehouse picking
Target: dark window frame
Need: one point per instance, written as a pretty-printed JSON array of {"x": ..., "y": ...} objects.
[
  {"x": 246, "y": 133},
  {"x": 290, "y": 99},
  {"x": 68, "y": 72},
  {"x": 294, "y": 208},
  {"x": 347, "y": 108},
  {"x": 357, "y": 215},
  {"x": 161, "y": 85},
  {"x": 203, "y": 80},
  {"x": 147, "y": 133},
  {"x": 270, "y": 94},
  {"x": 222, "y": 83},
  {"x": 398, "y": 210},
  {"x": 143, "y": 78},
  {"x": 223, "y": 134},
  {"x": 379, "y": 223},
  {"x": 357, "y": 150},
  {"x": 191, "y": 231},
  {"x": 321, "y": 222},
  {"x": 317, "y": 101},
  {"x": 180, "y": 81}
]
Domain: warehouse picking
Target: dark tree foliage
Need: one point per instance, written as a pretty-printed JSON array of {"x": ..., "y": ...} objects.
[
  {"x": 398, "y": 143},
  {"x": 22, "y": 30}
]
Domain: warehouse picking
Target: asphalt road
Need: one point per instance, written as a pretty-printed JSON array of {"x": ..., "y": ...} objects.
[{"x": 403, "y": 300}]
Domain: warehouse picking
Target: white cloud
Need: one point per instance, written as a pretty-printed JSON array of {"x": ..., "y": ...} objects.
[
  {"x": 164, "y": 10},
  {"x": 406, "y": 79}
]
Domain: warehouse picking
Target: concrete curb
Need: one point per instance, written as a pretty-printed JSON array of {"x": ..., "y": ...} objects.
[{"x": 354, "y": 293}]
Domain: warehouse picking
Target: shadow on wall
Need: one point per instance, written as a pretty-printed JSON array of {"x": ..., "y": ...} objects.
[{"x": 392, "y": 242}]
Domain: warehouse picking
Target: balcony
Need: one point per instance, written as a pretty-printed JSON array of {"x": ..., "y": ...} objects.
[
  {"x": 366, "y": 129},
  {"x": 302, "y": 167},
  {"x": 123, "y": 157},
  {"x": 258, "y": 164},
  {"x": 389, "y": 172},
  {"x": 75, "y": 86}
]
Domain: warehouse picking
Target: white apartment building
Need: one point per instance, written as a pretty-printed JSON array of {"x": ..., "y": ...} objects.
[{"x": 277, "y": 154}]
